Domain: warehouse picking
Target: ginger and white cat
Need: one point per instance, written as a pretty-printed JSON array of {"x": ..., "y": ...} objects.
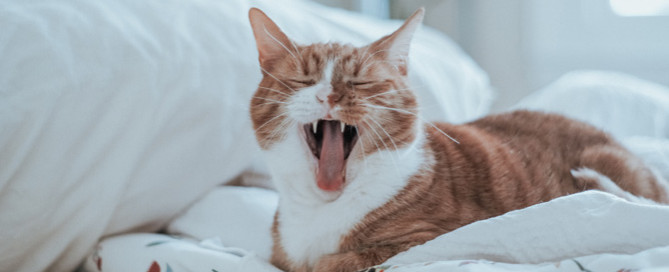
[{"x": 362, "y": 178}]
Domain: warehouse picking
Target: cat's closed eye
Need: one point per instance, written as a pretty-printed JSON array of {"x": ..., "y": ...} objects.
[
  {"x": 303, "y": 82},
  {"x": 351, "y": 83}
]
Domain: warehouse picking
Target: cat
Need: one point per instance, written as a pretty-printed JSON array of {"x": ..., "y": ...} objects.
[{"x": 361, "y": 177}]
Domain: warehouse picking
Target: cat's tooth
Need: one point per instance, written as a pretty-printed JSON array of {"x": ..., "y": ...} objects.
[
  {"x": 343, "y": 126},
  {"x": 314, "y": 126}
]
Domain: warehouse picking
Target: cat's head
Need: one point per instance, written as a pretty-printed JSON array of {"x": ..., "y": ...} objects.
[{"x": 332, "y": 105}]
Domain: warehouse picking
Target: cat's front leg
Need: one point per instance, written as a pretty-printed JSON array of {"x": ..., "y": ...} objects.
[
  {"x": 352, "y": 261},
  {"x": 343, "y": 262},
  {"x": 367, "y": 256}
]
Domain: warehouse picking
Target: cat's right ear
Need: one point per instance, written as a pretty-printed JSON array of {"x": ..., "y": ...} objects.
[{"x": 270, "y": 40}]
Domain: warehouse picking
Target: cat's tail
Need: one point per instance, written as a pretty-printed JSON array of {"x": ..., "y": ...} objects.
[
  {"x": 594, "y": 180},
  {"x": 615, "y": 170}
]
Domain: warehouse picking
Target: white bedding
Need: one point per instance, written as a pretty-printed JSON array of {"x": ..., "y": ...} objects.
[
  {"x": 588, "y": 231},
  {"x": 598, "y": 231}
]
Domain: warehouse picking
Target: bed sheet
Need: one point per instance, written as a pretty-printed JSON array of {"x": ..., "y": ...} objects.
[{"x": 589, "y": 231}]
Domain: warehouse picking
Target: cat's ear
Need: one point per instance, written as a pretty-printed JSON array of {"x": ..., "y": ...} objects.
[
  {"x": 395, "y": 47},
  {"x": 270, "y": 40}
]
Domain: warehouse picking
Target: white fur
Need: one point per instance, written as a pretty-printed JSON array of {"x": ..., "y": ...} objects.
[
  {"x": 312, "y": 221},
  {"x": 304, "y": 107},
  {"x": 608, "y": 185}
]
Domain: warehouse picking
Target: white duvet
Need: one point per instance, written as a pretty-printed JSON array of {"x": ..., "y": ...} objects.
[
  {"x": 591, "y": 230},
  {"x": 588, "y": 231}
]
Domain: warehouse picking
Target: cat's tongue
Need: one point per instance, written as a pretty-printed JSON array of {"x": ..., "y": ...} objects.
[{"x": 330, "y": 176}]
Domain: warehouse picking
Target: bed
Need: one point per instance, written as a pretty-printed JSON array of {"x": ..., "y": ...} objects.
[{"x": 124, "y": 128}]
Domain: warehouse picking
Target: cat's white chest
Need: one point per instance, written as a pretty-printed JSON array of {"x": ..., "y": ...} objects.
[
  {"x": 310, "y": 233},
  {"x": 309, "y": 230}
]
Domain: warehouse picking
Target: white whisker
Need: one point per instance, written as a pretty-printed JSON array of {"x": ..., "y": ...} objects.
[
  {"x": 280, "y": 43},
  {"x": 367, "y": 59},
  {"x": 360, "y": 140},
  {"x": 371, "y": 55},
  {"x": 273, "y": 90},
  {"x": 284, "y": 124},
  {"x": 379, "y": 94},
  {"x": 263, "y": 104},
  {"x": 394, "y": 159},
  {"x": 271, "y": 100},
  {"x": 393, "y": 90},
  {"x": 297, "y": 50},
  {"x": 386, "y": 132},
  {"x": 416, "y": 115},
  {"x": 380, "y": 138},
  {"x": 372, "y": 139},
  {"x": 270, "y": 120},
  {"x": 275, "y": 78}
]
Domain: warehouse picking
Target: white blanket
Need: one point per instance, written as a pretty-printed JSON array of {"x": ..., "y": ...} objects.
[
  {"x": 569, "y": 227},
  {"x": 590, "y": 230}
]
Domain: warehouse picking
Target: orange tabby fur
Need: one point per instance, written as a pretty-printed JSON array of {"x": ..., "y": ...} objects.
[{"x": 500, "y": 163}]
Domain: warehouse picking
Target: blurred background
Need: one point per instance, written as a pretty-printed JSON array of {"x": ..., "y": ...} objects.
[{"x": 525, "y": 44}]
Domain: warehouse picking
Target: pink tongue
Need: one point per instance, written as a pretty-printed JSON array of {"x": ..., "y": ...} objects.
[{"x": 330, "y": 175}]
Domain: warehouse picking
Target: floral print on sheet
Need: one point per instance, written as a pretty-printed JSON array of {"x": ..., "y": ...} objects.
[{"x": 147, "y": 252}]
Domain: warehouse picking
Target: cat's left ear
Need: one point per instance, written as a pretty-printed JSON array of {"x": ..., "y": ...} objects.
[
  {"x": 270, "y": 40},
  {"x": 395, "y": 47}
]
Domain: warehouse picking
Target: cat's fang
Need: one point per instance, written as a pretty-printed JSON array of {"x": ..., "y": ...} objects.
[
  {"x": 343, "y": 126},
  {"x": 314, "y": 126}
]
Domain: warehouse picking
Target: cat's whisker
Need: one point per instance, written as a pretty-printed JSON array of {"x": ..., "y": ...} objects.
[
  {"x": 297, "y": 50},
  {"x": 393, "y": 159},
  {"x": 360, "y": 140},
  {"x": 370, "y": 127},
  {"x": 388, "y": 62},
  {"x": 281, "y": 127},
  {"x": 393, "y": 90},
  {"x": 410, "y": 148},
  {"x": 280, "y": 43},
  {"x": 270, "y": 120},
  {"x": 270, "y": 100},
  {"x": 417, "y": 116},
  {"x": 371, "y": 55},
  {"x": 274, "y": 90},
  {"x": 275, "y": 78},
  {"x": 368, "y": 58},
  {"x": 371, "y": 138},
  {"x": 263, "y": 104},
  {"x": 386, "y": 132},
  {"x": 379, "y": 94}
]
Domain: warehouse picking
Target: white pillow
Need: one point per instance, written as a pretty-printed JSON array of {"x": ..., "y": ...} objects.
[
  {"x": 239, "y": 217},
  {"x": 115, "y": 115},
  {"x": 621, "y": 104}
]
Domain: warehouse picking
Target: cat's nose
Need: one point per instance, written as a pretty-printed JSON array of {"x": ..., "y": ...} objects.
[
  {"x": 326, "y": 94},
  {"x": 323, "y": 94},
  {"x": 334, "y": 97}
]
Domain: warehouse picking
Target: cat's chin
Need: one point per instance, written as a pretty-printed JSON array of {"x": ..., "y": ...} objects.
[{"x": 327, "y": 196}]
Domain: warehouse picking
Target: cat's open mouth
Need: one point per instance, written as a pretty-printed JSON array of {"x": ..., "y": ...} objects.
[{"x": 331, "y": 142}]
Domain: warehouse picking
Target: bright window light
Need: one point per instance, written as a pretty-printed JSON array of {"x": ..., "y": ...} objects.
[{"x": 640, "y": 7}]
